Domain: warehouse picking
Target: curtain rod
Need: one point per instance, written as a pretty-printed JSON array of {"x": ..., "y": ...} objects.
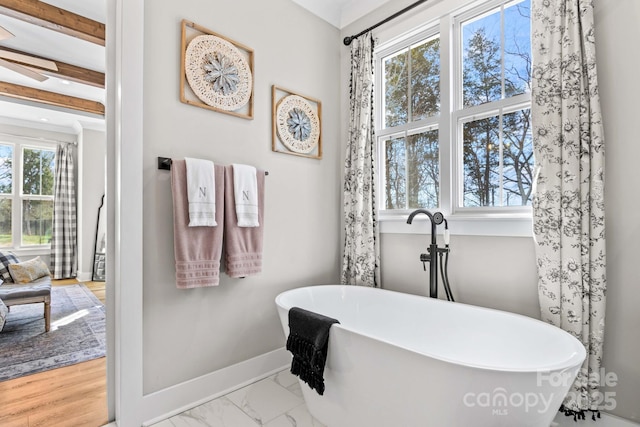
[
  {"x": 347, "y": 40},
  {"x": 37, "y": 138}
]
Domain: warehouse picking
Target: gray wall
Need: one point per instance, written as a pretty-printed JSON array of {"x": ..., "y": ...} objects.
[
  {"x": 189, "y": 333},
  {"x": 494, "y": 272},
  {"x": 617, "y": 29},
  {"x": 91, "y": 186},
  {"x": 500, "y": 272}
]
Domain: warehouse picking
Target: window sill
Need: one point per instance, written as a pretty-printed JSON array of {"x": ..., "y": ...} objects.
[
  {"x": 30, "y": 252},
  {"x": 461, "y": 225}
]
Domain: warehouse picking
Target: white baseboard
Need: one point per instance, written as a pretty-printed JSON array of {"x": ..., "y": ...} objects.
[
  {"x": 83, "y": 276},
  {"x": 176, "y": 399}
]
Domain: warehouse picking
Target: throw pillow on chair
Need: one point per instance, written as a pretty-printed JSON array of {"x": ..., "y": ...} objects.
[{"x": 28, "y": 271}]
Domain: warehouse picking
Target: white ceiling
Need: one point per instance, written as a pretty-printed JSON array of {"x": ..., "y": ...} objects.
[
  {"x": 53, "y": 45},
  {"x": 92, "y": 9},
  {"x": 340, "y": 13},
  {"x": 57, "y": 46}
]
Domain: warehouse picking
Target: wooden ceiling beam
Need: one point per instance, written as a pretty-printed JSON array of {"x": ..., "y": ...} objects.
[
  {"x": 56, "y": 19},
  {"x": 50, "y": 98},
  {"x": 65, "y": 71}
]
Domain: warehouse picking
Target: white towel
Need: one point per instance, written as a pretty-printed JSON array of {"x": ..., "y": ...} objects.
[
  {"x": 201, "y": 192},
  {"x": 245, "y": 190}
]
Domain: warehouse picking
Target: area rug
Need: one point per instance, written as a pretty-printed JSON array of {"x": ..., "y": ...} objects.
[{"x": 77, "y": 333}]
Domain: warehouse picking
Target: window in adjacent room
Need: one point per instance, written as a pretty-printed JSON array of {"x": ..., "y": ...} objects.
[{"x": 26, "y": 195}]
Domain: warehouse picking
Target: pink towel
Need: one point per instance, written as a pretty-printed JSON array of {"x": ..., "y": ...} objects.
[
  {"x": 197, "y": 249},
  {"x": 243, "y": 245}
]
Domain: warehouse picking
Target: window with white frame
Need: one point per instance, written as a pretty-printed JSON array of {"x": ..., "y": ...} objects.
[
  {"x": 453, "y": 119},
  {"x": 26, "y": 195},
  {"x": 408, "y": 138}
]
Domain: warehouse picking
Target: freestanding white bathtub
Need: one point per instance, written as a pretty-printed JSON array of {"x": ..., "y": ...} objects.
[{"x": 399, "y": 360}]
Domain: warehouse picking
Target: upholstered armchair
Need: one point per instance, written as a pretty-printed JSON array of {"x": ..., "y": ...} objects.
[{"x": 29, "y": 283}]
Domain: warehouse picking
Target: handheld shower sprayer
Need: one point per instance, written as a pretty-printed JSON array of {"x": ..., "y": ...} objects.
[
  {"x": 446, "y": 234},
  {"x": 434, "y": 252}
]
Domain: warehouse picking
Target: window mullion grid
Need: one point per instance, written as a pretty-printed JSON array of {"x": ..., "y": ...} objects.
[
  {"x": 409, "y": 93},
  {"x": 14, "y": 192},
  {"x": 406, "y": 170},
  {"x": 17, "y": 200},
  {"x": 11, "y": 195},
  {"x": 445, "y": 136},
  {"x": 380, "y": 83},
  {"x": 40, "y": 174},
  {"x": 501, "y": 158},
  {"x": 502, "y": 52},
  {"x": 382, "y": 173}
]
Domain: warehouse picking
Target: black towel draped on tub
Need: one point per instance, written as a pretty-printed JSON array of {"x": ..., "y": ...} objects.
[{"x": 308, "y": 341}]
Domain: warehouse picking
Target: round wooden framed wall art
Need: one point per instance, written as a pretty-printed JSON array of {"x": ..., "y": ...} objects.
[
  {"x": 296, "y": 124},
  {"x": 216, "y": 72}
]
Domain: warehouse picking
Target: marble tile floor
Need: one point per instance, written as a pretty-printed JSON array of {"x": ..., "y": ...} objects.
[{"x": 277, "y": 401}]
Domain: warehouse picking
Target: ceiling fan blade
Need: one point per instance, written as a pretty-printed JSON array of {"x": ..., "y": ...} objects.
[
  {"x": 23, "y": 70},
  {"x": 5, "y": 34},
  {"x": 28, "y": 59}
]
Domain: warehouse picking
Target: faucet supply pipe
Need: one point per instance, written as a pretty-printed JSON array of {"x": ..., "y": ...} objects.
[{"x": 436, "y": 219}]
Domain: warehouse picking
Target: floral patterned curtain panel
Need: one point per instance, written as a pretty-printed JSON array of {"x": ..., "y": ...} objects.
[
  {"x": 568, "y": 205},
  {"x": 360, "y": 265}
]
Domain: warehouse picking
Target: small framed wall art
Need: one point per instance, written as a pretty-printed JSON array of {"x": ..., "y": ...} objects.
[
  {"x": 216, "y": 72},
  {"x": 297, "y": 121}
]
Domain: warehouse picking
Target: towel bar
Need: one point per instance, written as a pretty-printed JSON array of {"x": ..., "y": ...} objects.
[{"x": 164, "y": 163}]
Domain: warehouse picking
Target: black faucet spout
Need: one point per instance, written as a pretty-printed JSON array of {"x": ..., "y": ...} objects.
[
  {"x": 419, "y": 211},
  {"x": 435, "y": 218}
]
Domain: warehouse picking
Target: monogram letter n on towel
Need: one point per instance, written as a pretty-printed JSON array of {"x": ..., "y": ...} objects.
[
  {"x": 201, "y": 192},
  {"x": 244, "y": 220},
  {"x": 245, "y": 190}
]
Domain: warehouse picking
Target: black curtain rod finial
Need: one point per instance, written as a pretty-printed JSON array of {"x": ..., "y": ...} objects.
[
  {"x": 347, "y": 40},
  {"x": 164, "y": 163}
]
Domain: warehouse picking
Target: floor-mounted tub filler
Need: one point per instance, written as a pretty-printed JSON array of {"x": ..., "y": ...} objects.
[{"x": 403, "y": 360}]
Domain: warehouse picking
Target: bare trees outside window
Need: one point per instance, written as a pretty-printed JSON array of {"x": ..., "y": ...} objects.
[
  {"x": 33, "y": 197},
  {"x": 412, "y": 98},
  {"x": 497, "y": 148},
  {"x": 488, "y": 82}
]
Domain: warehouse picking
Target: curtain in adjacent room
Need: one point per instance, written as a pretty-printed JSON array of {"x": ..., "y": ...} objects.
[
  {"x": 568, "y": 205},
  {"x": 63, "y": 239},
  {"x": 360, "y": 264}
]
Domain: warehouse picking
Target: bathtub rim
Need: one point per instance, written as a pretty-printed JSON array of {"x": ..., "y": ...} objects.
[{"x": 575, "y": 360}]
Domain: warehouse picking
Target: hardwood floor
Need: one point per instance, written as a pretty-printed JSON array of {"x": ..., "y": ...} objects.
[{"x": 73, "y": 396}]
